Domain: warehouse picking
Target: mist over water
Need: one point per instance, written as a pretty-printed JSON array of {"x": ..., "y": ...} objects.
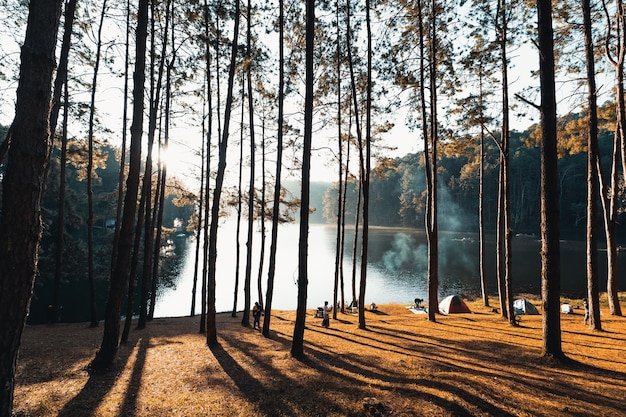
[{"x": 397, "y": 268}]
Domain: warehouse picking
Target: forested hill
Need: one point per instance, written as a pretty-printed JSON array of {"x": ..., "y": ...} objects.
[{"x": 397, "y": 189}]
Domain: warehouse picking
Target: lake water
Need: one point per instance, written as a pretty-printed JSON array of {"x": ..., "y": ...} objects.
[{"x": 396, "y": 268}]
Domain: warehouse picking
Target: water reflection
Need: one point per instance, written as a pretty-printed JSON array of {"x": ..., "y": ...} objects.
[{"x": 397, "y": 269}]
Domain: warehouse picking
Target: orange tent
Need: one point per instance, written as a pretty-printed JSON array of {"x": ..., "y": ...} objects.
[{"x": 453, "y": 304}]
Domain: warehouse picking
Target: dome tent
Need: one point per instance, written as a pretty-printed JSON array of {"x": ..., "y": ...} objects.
[
  {"x": 523, "y": 306},
  {"x": 453, "y": 304}
]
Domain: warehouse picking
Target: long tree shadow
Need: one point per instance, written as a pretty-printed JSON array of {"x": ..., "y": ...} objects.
[
  {"x": 97, "y": 387},
  {"x": 129, "y": 406},
  {"x": 283, "y": 394},
  {"x": 249, "y": 386}
]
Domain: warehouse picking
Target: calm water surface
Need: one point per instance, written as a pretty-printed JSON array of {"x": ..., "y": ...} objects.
[{"x": 396, "y": 268}]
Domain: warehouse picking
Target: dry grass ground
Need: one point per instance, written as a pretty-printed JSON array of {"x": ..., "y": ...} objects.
[{"x": 402, "y": 365}]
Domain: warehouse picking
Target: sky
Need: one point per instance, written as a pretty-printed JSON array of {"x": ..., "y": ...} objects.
[{"x": 183, "y": 158}]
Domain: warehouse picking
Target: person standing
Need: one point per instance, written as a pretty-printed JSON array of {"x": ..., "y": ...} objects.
[
  {"x": 256, "y": 313},
  {"x": 586, "y": 306},
  {"x": 326, "y": 318}
]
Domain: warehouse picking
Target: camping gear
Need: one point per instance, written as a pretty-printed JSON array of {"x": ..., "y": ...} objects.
[
  {"x": 567, "y": 309},
  {"x": 523, "y": 306},
  {"x": 453, "y": 304}
]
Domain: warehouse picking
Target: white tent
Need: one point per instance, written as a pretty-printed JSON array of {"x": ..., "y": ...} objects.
[{"x": 523, "y": 306}]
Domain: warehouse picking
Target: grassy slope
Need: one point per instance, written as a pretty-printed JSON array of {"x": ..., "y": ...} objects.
[{"x": 403, "y": 365}]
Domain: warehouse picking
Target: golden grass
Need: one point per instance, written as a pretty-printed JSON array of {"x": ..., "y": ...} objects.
[{"x": 402, "y": 365}]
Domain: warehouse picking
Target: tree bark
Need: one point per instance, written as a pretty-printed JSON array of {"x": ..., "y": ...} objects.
[
  {"x": 366, "y": 177},
  {"x": 297, "y": 346},
  {"x": 550, "y": 223},
  {"x": 90, "y": 209},
  {"x": 592, "y": 173},
  {"x": 279, "y": 160},
  {"x": 245, "y": 320},
  {"x": 110, "y": 340},
  {"x": 23, "y": 186},
  {"x": 219, "y": 181}
]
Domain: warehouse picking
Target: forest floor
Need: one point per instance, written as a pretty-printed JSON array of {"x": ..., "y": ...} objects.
[{"x": 402, "y": 365}]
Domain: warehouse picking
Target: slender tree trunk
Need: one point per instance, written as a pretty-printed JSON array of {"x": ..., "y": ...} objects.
[
  {"x": 90, "y": 209},
  {"x": 134, "y": 263},
  {"x": 433, "y": 306},
  {"x": 239, "y": 203},
  {"x": 366, "y": 178},
  {"x": 219, "y": 181},
  {"x": 500, "y": 241},
  {"x": 344, "y": 201},
  {"x": 432, "y": 230},
  {"x": 263, "y": 231},
  {"x": 339, "y": 242},
  {"x": 110, "y": 340},
  {"x": 481, "y": 207},
  {"x": 592, "y": 173},
  {"x": 122, "y": 174},
  {"x": 245, "y": 320},
  {"x": 297, "y": 347},
  {"x": 199, "y": 233},
  {"x": 23, "y": 186},
  {"x": 616, "y": 57},
  {"x": 357, "y": 123},
  {"x": 60, "y": 82},
  {"x": 506, "y": 211},
  {"x": 550, "y": 227},
  {"x": 279, "y": 160},
  {"x": 147, "y": 176},
  {"x": 58, "y": 264}
]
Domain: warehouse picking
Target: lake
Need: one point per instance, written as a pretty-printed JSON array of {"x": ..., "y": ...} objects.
[{"x": 396, "y": 267}]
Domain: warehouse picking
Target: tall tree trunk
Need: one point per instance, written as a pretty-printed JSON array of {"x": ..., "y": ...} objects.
[
  {"x": 90, "y": 209},
  {"x": 481, "y": 204},
  {"x": 219, "y": 181},
  {"x": 366, "y": 177},
  {"x": 592, "y": 173},
  {"x": 122, "y": 173},
  {"x": 23, "y": 186},
  {"x": 110, "y": 339},
  {"x": 245, "y": 320},
  {"x": 433, "y": 306},
  {"x": 279, "y": 160},
  {"x": 616, "y": 57},
  {"x": 155, "y": 102},
  {"x": 432, "y": 232},
  {"x": 505, "y": 139},
  {"x": 262, "y": 218},
  {"x": 339, "y": 241},
  {"x": 60, "y": 82},
  {"x": 550, "y": 223},
  {"x": 162, "y": 166},
  {"x": 58, "y": 262},
  {"x": 239, "y": 203},
  {"x": 297, "y": 346},
  {"x": 344, "y": 202},
  {"x": 199, "y": 233},
  {"x": 357, "y": 123}
]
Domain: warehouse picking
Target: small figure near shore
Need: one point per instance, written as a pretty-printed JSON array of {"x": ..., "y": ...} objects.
[
  {"x": 256, "y": 313},
  {"x": 326, "y": 319},
  {"x": 586, "y": 307}
]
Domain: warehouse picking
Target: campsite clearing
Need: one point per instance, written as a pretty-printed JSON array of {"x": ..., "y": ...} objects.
[{"x": 471, "y": 364}]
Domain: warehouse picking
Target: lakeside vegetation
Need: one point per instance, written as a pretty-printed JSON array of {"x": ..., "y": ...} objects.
[{"x": 403, "y": 365}]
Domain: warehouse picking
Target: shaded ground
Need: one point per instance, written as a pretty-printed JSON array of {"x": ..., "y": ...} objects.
[{"x": 464, "y": 365}]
